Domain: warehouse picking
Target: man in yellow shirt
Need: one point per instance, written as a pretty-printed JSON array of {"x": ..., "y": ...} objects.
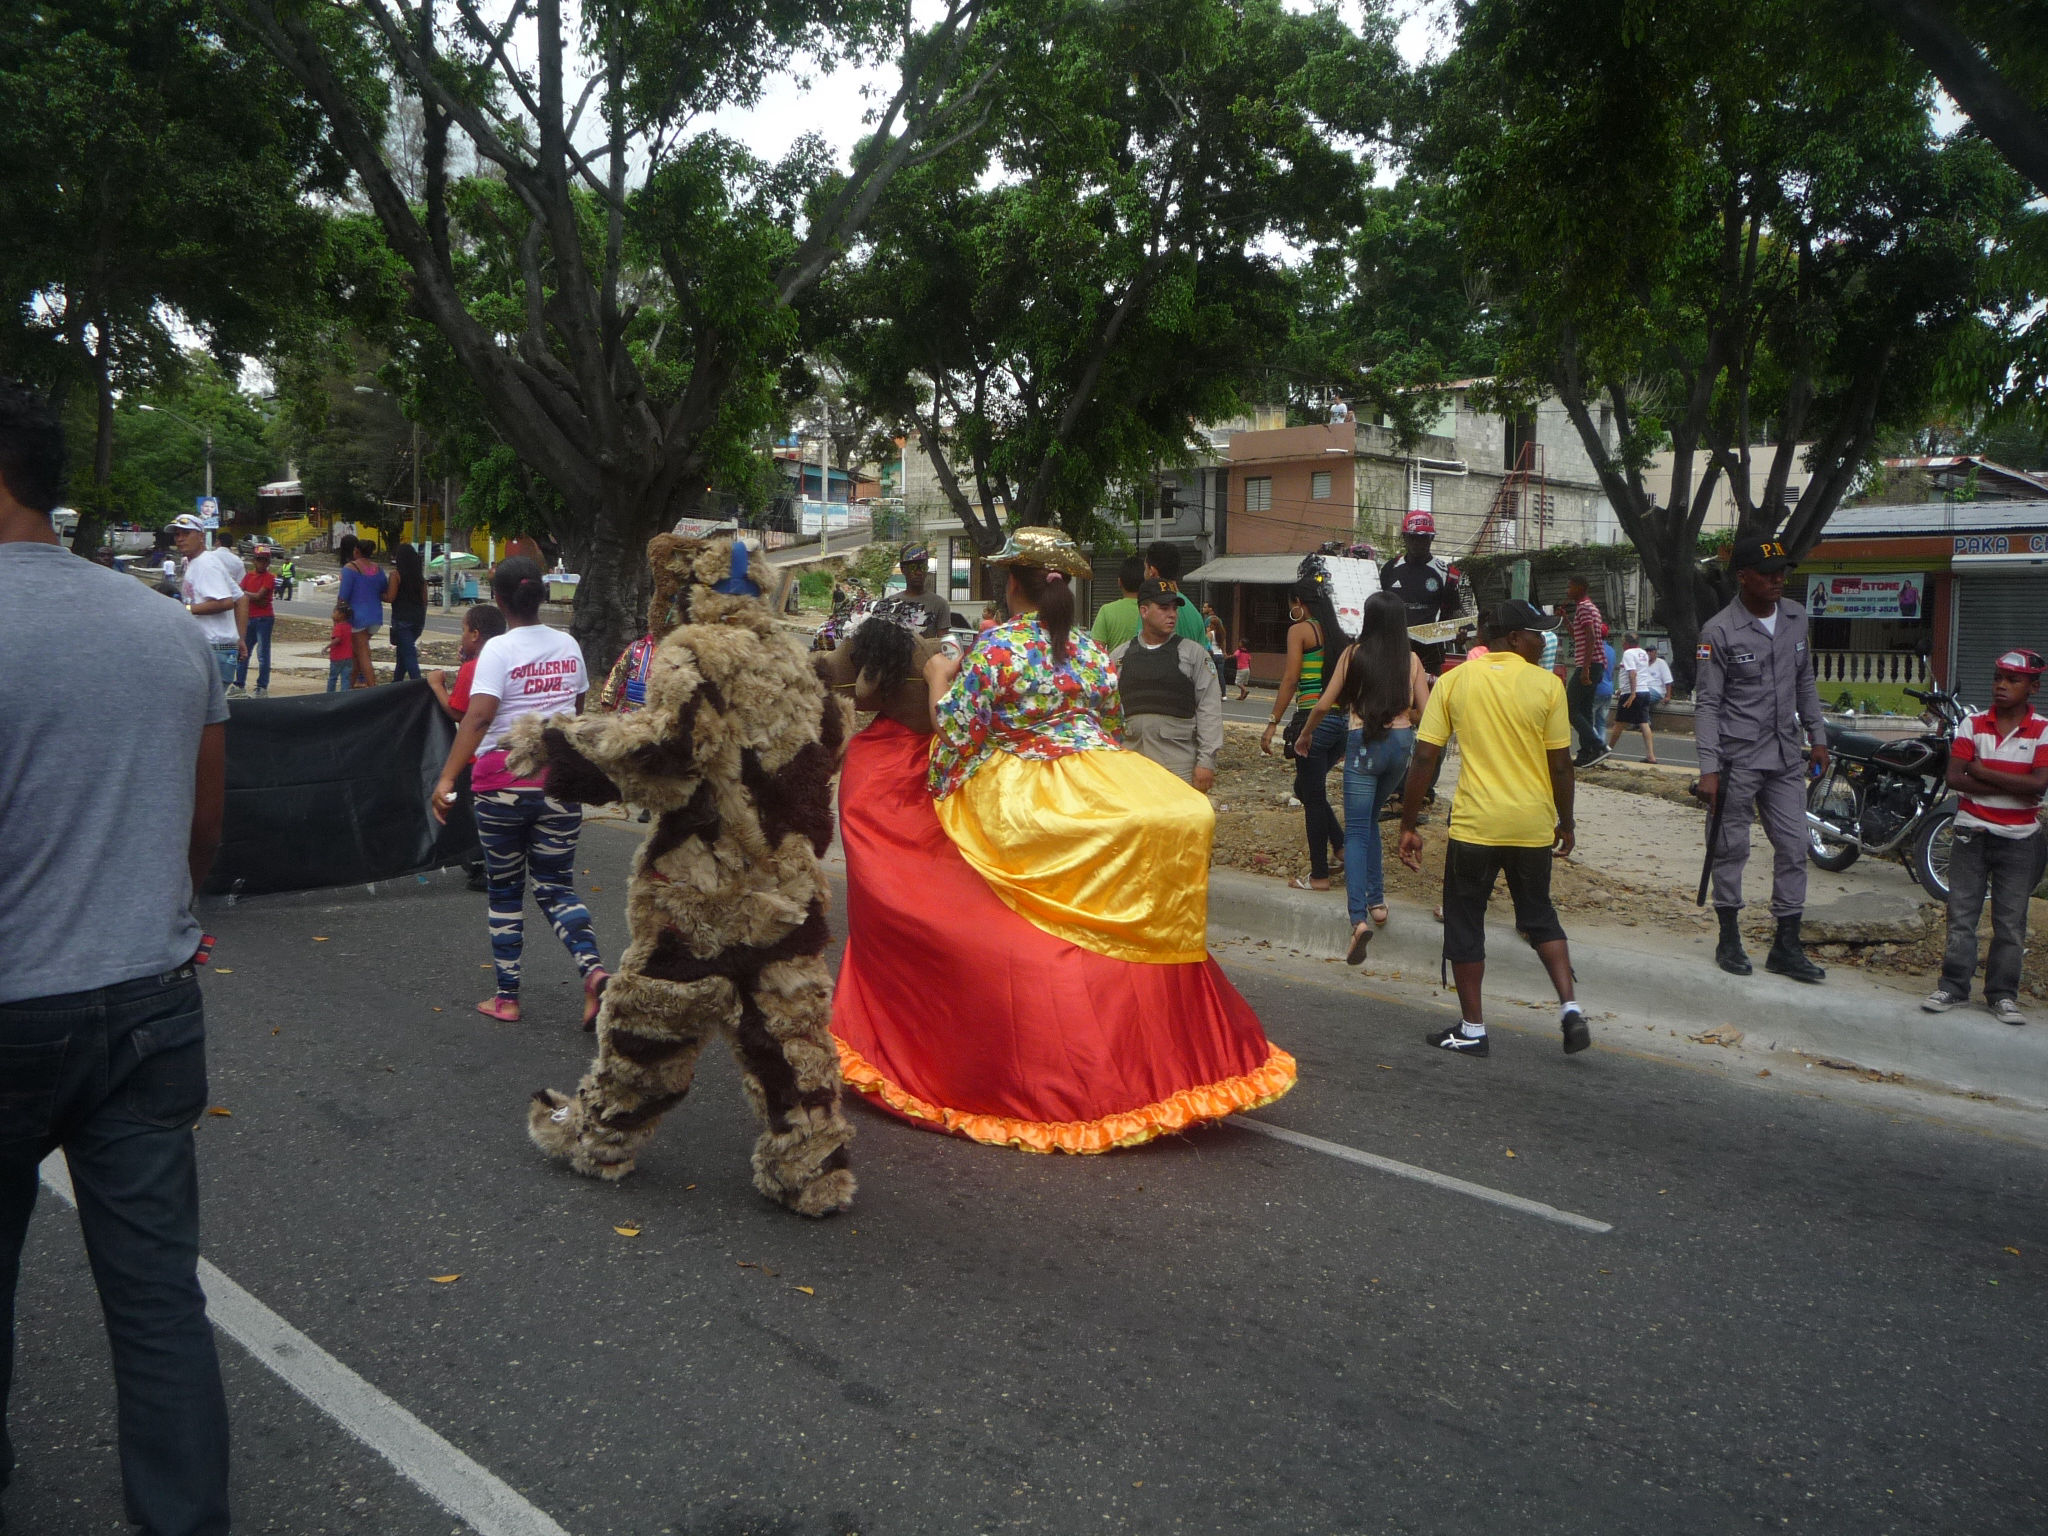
[{"x": 1512, "y": 813}]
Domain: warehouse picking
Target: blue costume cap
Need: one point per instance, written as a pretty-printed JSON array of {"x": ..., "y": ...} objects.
[{"x": 738, "y": 584}]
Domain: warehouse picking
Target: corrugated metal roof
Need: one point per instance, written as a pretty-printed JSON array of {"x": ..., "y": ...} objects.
[
  {"x": 1255, "y": 570},
  {"x": 1935, "y": 517}
]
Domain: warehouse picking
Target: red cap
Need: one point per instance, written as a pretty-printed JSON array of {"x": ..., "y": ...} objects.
[{"x": 1419, "y": 522}]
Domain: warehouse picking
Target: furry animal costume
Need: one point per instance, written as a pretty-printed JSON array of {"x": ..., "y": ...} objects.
[{"x": 734, "y": 754}]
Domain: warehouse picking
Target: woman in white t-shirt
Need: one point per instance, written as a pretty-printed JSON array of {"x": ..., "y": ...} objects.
[{"x": 530, "y": 669}]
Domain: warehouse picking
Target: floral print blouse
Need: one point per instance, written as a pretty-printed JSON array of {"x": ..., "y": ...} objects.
[{"x": 1010, "y": 698}]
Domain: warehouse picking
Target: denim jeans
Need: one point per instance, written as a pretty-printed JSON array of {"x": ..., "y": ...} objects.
[
  {"x": 405, "y": 639},
  {"x": 226, "y": 658},
  {"x": 1373, "y": 774},
  {"x": 117, "y": 1078},
  {"x": 339, "y": 673},
  {"x": 2008, "y": 868},
  {"x": 258, "y": 636},
  {"x": 1312, "y": 789},
  {"x": 1580, "y": 700}
]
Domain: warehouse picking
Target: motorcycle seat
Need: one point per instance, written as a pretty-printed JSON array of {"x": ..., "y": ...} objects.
[{"x": 1853, "y": 743}]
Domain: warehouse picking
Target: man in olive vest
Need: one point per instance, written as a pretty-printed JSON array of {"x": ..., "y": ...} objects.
[{"x": 1173, "y": 702}]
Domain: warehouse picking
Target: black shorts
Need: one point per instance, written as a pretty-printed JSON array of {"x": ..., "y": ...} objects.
[
  {"x": 1469, "y": 872},
  {"x": 1635, "y": 712}
]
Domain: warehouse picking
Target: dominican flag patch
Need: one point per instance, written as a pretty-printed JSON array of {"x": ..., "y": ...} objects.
[{"x": 1704, "y": 652}]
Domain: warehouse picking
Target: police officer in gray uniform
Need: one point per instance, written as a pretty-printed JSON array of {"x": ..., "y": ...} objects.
[{"x": 1754, "y": 699}]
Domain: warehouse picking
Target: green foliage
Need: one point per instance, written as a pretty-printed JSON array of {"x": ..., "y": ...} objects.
[
  {"x": 1717, "y": 224},
  {"x": 1052, "y": 306},
  {"x": 156, "y": 178}
]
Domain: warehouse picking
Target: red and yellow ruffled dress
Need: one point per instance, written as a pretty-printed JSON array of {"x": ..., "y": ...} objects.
[{"x": 1027, "y": 910}]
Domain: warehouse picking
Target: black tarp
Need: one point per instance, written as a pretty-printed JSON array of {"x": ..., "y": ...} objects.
[{"x": 331, "y": 789}]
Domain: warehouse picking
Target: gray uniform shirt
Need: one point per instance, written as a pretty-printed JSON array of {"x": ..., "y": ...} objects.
[
  {"x": 97, "y": 760},
  {"x": 1755, "y": 690}
]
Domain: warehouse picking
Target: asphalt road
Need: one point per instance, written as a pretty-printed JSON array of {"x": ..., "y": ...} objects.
[{"x": 1807, "y": 1315}]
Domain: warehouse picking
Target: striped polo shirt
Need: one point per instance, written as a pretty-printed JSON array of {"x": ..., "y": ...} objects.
[{"x": 2025, "y": 749}]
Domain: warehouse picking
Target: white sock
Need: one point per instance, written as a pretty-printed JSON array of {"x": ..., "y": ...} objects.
[
  {"x": 1470, "y": 1030},
  {"x": 1566, "y": 1010}
]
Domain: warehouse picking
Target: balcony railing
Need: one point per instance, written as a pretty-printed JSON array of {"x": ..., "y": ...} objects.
[{"x": 1855, "y": 668}]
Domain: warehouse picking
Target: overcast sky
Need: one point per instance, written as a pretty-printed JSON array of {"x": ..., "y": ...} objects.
[{"x": 832, "y": 104}]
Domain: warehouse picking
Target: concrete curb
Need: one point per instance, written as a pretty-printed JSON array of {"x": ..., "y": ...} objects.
[{"x": 1848, "y": 1018}]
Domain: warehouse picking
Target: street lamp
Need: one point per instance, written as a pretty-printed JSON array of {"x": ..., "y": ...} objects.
[{"x": 207, "y": 432}]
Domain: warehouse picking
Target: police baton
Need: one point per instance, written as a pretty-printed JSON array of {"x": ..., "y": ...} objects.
[{"x": 1713, "y": 834}]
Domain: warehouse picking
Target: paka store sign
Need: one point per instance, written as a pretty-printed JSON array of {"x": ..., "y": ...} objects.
[{"x": 1867, "y": 597}]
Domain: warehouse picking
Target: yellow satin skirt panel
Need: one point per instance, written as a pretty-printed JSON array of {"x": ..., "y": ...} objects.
[{"x": 1106, "y": 850}]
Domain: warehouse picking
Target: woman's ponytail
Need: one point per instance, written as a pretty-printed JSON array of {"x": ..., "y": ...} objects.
[
  {"x": 1053, "y": 596},
  {"x": 518, "y": 587}
]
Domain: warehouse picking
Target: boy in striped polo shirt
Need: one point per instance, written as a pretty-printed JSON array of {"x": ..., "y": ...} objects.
[{"x": 1998, "y": 764}]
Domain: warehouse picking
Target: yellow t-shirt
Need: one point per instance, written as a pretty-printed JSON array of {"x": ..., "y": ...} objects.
[{"x": 1507, "y": 715}]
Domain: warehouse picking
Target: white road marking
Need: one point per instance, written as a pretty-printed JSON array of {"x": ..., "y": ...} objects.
[
  {"x": 1422, "y": 1175},
  {"x": 448, "y": 1477}
]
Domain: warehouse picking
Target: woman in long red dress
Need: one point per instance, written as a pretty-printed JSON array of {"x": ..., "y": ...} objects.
[{"x": 1027, "y": 903}]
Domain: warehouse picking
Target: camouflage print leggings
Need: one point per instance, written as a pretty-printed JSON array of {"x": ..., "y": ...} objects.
[{"x": 525, "y": 830}]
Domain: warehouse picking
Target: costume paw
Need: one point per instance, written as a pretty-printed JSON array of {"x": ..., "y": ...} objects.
[
  {"x": 805, "y": 1167},
  {"x": 558, "y": 1126}
]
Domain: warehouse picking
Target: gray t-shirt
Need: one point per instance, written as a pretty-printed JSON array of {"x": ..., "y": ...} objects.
[{"x": 97, "y": 758}]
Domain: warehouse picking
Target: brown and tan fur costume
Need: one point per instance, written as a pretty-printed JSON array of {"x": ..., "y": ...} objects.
[{"x": 734, "y": 755}]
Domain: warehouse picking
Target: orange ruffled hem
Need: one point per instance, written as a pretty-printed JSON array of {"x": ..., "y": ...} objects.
[{"x": 1130, "y": 1128}]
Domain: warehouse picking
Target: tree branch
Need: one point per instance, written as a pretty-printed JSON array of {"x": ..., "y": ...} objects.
[{"x": 1999, "y": 110}]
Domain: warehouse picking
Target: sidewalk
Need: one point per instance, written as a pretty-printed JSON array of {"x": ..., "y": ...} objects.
[{"x": 1628, "y": 978}]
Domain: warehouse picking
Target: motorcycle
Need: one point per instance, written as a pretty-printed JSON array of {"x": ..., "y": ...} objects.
[{"x": 1888, "y": 797}]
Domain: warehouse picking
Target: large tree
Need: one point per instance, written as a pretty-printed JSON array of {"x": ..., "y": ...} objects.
[
  {"x": 1721, "y": 234},
  {"x": 618, "y": 287},
  {"x": 1991, "y": 56},
  {"x": 154, "y": 176},
  {"x": 1050, "y": 308}
]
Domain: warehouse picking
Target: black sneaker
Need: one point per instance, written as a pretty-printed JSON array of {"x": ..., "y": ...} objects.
[
  {"x": 1451, "y": 1040},
  {"x": 1576, "y": 1036}
]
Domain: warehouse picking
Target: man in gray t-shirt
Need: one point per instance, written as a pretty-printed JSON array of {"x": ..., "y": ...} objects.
[{"x": 113, "y": 762}]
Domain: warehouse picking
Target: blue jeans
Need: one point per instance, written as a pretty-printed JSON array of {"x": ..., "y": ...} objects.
[
  {"x": 226, "y": 656},
  {"x": 1373, "y": 774},
  {"x": 258, "y": 636},
  {"x": 117, "y": 1078},
  {"x": 339, "y": 673},
  {"x": 405, "y": 639}
]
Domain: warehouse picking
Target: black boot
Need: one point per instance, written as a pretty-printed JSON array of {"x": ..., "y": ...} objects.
[
  {"x": 1729, "y": 953},
  {"x": 1787, "y": 957}
]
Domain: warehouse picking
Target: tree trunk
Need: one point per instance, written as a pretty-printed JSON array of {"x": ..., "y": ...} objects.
[
  {"x": 1677, "y": 584},
  {"x": 607, "y": 546}
]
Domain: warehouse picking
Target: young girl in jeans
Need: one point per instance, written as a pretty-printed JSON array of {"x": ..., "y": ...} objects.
[
  {"x": 341, "y": 649},
  {"x": 529, "y": 669},
  {"x": 1381, "y": 686}
]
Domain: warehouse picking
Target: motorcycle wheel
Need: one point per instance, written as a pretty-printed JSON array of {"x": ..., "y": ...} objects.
[
  {"x": 1929, "y": 858},
  {"x": 1835, "y": 794}
]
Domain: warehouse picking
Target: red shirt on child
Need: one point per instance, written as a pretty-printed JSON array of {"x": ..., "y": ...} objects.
[
  {"x": 259, "y": 585},
  {"x": 343, "y": 645},
  {"x": 458, "y": 692}
]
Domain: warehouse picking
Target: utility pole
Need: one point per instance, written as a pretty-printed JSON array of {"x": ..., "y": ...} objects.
[{"x": 824, "y": 485}]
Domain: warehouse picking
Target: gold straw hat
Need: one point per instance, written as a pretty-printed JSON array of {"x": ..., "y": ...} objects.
[{"x": 1047, "y": 548}]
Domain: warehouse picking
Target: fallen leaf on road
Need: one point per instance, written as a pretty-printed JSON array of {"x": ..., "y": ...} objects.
[
  {"x": 2013, "y": 1251},
  {"x": 222, "y": 1110},
  {"x": 596, "y": 888},
  {"x": 223, "y": 970},
  {"x": 1721, "y": 1034},
  {"x": 444, "y": 1279},
  {"x": 807, "y": 1290},
  {"x": 627, "y": 1231},
  {"x": 437, "y": 1010},
  {"x": 748, "y": 1264},
  {"x": 1383, "y": 1066},
  {"x": 319, "y": 938},
  {"x": 689, "y": 1186},
  {"x": 277, "y": 1029},
  {"x": 1765, "y": 1073},
  {"x": 1511, "y": 1151}
]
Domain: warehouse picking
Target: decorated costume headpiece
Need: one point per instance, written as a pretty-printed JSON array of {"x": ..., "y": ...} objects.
[
  {"x": 1047, "y": 548},
  {"x": 690, "y": 575}
]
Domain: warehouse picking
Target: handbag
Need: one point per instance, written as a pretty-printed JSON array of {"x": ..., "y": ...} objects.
[{"x": 1293, "y": 732}]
